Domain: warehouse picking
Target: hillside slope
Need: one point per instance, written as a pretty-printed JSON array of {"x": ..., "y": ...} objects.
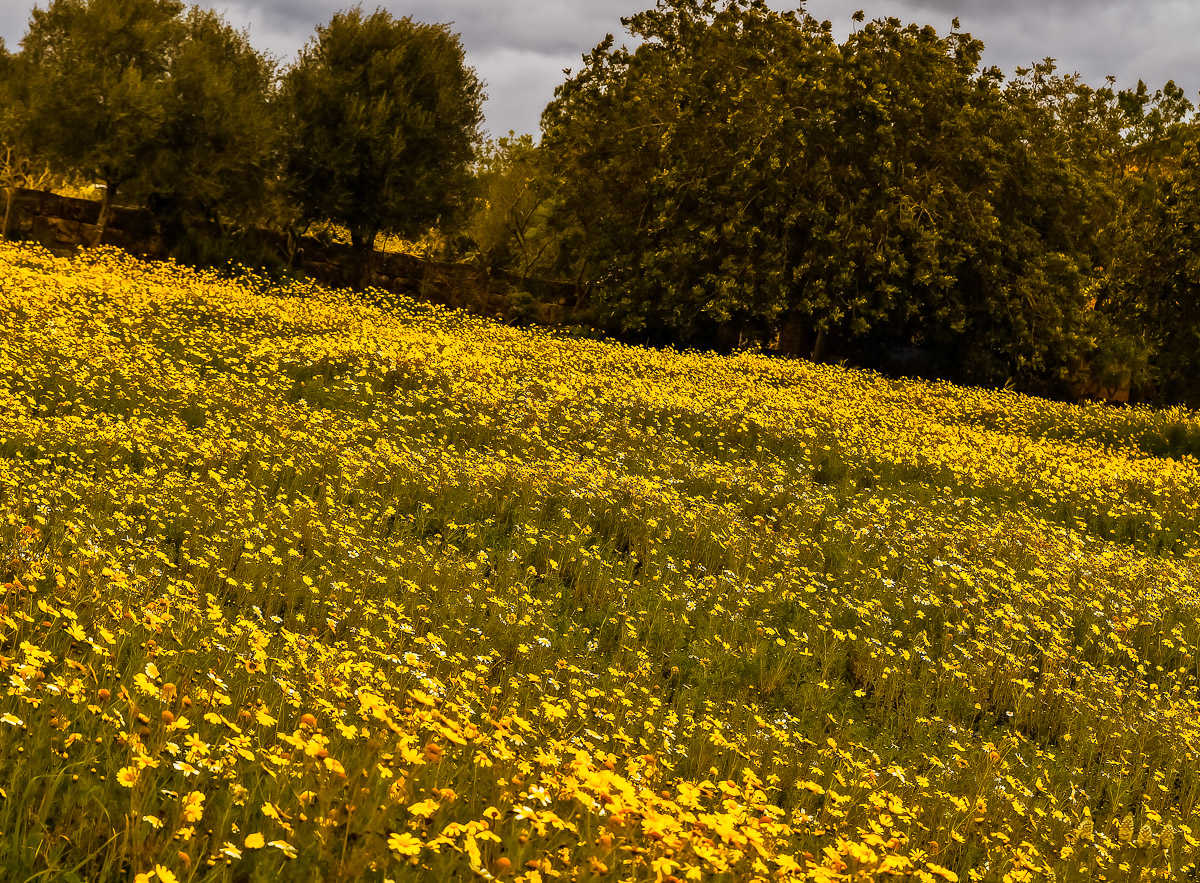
[{"x": 297, "y": 587}]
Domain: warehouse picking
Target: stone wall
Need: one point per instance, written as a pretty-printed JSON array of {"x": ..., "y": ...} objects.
[{"x": 63, "y": 224}]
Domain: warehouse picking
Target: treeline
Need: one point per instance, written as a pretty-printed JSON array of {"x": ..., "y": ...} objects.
[
  {"x": 743, "y": 174},
  {"x": 740, "y": 177},
  {"x": 375, "y": 127}
]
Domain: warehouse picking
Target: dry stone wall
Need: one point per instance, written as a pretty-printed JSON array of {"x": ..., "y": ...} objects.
[{"x": 64, "y": 224}]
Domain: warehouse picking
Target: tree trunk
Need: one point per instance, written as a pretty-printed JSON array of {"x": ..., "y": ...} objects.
[
  {"x": 818, "y": 350},
  {"x": 362, "y": 245},
  {"x": 8, "y": 201},
  {"x": 105, "y": 212}
]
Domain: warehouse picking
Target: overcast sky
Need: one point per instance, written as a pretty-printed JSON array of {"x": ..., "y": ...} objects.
[{"x": 520, "y": 47}]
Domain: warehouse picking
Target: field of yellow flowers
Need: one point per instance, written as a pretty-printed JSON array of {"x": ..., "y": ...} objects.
[{"x": 297, "y": 585}]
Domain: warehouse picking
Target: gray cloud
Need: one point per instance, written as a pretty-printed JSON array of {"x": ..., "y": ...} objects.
[
  {"x": 520, "y": 47},
  {"x": 1128, "y": 39}
]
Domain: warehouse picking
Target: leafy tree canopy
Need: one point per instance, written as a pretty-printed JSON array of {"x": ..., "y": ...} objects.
[
  {"x": 98, "y": 86},
  {"x": 218, "y": 133},
  {"x": 742, "y": 170},
  {"x": 384, "y": 120}
]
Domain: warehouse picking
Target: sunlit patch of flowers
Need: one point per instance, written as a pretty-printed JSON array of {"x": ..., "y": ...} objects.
[{"x": 300, "y": 584}]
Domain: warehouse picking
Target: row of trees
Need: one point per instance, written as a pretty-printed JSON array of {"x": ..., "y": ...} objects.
[
  {"x": 743, "y": 175},
  {"x": 740, "y": 176},
  {"x": 375, "y": 126}
]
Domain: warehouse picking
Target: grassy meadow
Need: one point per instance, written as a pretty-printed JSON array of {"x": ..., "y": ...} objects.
[{"x": 302, "y": 586}]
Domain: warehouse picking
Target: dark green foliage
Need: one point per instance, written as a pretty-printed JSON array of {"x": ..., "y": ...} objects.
[
  {"x": 744, "y": 173},
  {"x": 215, "y": 145},
  {"x": 1156, "y": 279},
  {"x": 99, "y": 85},
  {"x": 10, "y": 96},
  {"x": 1147, "y": 294},
  {"x": 21, "y": 165},
  {"x": 509, "y": 223},
  {"x": 383, "y": 123},
  {"x": 168, "y": 105},
  {"x": 1175, "y": 312},
  {"x": 6, "y": 68},
  {"x": 1033, "y": 197}
]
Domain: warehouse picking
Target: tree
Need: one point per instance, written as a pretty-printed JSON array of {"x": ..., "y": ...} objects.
[
  {"x": 20, "y": 168},
  {"x": 679, "y": 163},
  {"x": 1147, "y": 310},
  {"x": 745, "y": 171},
  {"x": 510, "y": 224},
  {"x": 214, "y": 146},
  {"x": 1174, "y": 300},
  {"x": 383, "y": 123},
  {"x": 1034, "y": 200},
  {"x": 99, "y": 85},
  {"x": 742, "y": 174},
  {"x": 6, "y": 77},
  {"x": 9, "y": 125},
  {"x": 1150, "y": 295}
]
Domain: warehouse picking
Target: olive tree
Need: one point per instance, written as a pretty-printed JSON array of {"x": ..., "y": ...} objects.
[
  {"x": 99, "y": 87},
  {"x": 383, "y": 120},
  {"x": 216, "y": 141}
]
